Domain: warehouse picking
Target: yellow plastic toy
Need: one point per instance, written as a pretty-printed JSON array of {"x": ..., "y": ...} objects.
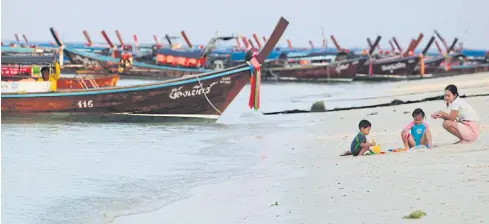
[{"x": 376, "y": 148}]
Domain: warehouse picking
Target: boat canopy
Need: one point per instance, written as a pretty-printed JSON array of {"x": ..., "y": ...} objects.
[
  {"x": 29, "y": 60},
  {"x": 475, "y": 53},
  {"x": 186, "y": 53},
  {"x": 17, "y": 49},
  {"x": 310, "y": 54}
]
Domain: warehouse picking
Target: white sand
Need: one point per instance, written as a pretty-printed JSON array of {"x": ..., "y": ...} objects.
[{"x": 301, "y": 170}]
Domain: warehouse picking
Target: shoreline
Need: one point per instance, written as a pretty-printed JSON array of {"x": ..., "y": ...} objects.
[
  {"x": 473, "y": 85},
  {"x": 393, "y": 103},
  {"x": 301, "y": 170}
]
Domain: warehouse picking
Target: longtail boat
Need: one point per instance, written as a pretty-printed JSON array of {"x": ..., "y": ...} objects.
[
  {"x": 173, "y": 57},
  {"x": 393, "y": 67},
  {"x": 124, "y": 66},
  {"x": 431, "y": 65},
  {"x": 316, "y": 70},
  {"x": 457, "y": 62},
  {"x": 18, "y": 68},
  {"x": 203, "y": 95},
  {"x": 189, "y": 58},
  {"x": 318, "y": 66},
  {"x": 100, "y": 64},
  {"x": 447, "y": 63}
]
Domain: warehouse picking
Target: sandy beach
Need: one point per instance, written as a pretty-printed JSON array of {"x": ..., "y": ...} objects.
[{"x": 301, "y": 179}]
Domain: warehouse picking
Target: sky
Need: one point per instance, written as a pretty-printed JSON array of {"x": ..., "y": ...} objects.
[{"x": 351, "y": 21}]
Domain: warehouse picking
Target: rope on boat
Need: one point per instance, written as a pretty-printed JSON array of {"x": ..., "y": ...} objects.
[
  {"x": 255, "y": 70},
  {"x": 215, "y": 108}
]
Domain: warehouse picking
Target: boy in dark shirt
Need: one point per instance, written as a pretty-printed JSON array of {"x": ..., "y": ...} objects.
[{"x": 359, "y": 145}]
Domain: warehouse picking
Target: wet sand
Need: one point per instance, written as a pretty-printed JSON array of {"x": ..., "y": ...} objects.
[{"x": 300, "y": 170}]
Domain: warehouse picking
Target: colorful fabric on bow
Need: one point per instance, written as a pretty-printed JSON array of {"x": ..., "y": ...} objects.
[{"x": 255, "y": 81}]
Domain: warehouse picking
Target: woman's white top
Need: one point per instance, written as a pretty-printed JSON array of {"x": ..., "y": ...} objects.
[{"x": 465, "y": 111}]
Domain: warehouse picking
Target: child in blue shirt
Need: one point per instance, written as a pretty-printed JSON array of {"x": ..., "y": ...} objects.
[{"x": 417, "y": 132}]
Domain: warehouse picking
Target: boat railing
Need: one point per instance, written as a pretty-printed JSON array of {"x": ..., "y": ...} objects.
[
  {"x": 93, "y": 82},
  {"x": 82, "y": 80}
]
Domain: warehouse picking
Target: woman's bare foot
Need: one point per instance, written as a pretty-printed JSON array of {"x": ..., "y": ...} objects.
[{"x": 461, "y": 142}]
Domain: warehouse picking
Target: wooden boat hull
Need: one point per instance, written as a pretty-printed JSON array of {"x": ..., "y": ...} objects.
[
  {"x": 339, "y": 71},
  {"x": 72, "y": 83},
  {"x": 80, "y": 69},
  {"x": 434, "y": 73},
  {"x": 397, "y": 66},
  {"x": 462, "y": 69},
  {"x": 178, "y": 98},
  {"x": 101, "y": 81},
  {"x": 431, "y": 66}
]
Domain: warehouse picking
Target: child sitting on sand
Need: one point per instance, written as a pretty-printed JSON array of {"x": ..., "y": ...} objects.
[
  {"x": 359, "y": 145},
  {"x": 417, "y": 132}
]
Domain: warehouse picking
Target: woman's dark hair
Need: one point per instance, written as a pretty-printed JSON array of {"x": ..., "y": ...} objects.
[
  {"x": 453, "y": 89},
  {"x": 418, "y": 111}
]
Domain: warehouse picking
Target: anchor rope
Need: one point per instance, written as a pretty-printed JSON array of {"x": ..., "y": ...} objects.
[
  {"x": 205, "y": 94},
  {"x": 255, "y": 73}
]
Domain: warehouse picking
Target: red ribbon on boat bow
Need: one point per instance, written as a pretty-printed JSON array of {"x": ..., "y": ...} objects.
[{"x": 255, "y": 81}]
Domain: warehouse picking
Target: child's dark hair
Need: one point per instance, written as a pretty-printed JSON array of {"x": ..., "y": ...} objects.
[
  {"x": 364, "y": 124},
  {"x": 418, "y": 111},
  {"x": 453, "y": 89}
]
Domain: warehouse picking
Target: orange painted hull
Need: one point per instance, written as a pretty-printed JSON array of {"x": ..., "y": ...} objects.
[{"x": 105, "y": 81}]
